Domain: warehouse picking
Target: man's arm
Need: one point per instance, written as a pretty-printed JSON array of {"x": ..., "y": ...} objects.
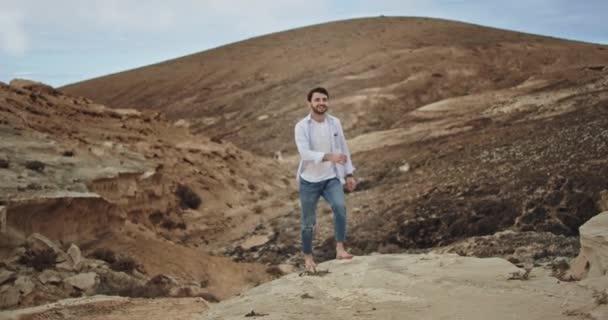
[
  {"x": 348, "y": 166},
  {"x": 351, "y": 182},
  {"x": 310, "y": 155}
]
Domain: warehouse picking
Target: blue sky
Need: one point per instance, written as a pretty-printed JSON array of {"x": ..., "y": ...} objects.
[{"x": 65, "y": 41}]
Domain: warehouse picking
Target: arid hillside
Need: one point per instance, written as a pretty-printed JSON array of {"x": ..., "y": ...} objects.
[
  {"x": 378, "y": 70},
  {"x": 457, "y": 130},
  {"x": 466, "y": 139}
]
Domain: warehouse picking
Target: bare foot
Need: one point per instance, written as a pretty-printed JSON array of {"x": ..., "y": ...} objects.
[
  {"x": 309, "y": 263},
  {"x": 343, "y": 255}
]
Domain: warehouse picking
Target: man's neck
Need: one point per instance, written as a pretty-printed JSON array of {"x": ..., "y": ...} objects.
[{"x": 317, "y": 117}]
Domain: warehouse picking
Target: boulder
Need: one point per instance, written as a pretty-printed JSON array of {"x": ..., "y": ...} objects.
[
  {"x": 6, "y": 276},
  {"x": 592, "y": 260},
  {"x": 83, "y": 281},
  {"x": 75, "y": 256}
]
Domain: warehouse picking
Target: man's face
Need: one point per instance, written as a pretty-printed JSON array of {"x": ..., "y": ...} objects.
[{"x": 318, "y": 103}]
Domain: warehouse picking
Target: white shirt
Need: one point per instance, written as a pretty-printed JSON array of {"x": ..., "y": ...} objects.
[
  {"x": 308, "y": 154},
  {"x": 320, "y": 137}
]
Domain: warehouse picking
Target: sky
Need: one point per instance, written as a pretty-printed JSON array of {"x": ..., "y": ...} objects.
[{"x": 65, "y": 41}]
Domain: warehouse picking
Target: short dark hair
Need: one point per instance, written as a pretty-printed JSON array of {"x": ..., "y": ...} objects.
[{"x": 317, "y": 90}]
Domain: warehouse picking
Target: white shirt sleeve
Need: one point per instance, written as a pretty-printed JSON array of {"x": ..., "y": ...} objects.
[{"x": 349, "y": 164}]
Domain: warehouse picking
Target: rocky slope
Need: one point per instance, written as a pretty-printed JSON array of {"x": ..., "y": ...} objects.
[{"x": 127, "y": 182}]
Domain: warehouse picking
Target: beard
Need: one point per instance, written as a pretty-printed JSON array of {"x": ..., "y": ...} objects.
[{"x": 319, "y": 109}]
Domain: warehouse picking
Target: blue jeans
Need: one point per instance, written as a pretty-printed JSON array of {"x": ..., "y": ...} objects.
[{"x": 332, "y": 192}]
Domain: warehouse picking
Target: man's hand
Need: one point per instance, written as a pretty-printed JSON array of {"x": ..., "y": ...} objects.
[
  {"x": 338, "y": 158},
  {"x": 351, "y": 184}
]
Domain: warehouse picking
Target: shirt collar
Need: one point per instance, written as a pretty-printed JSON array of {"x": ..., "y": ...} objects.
[{"x": 327, "y": 117}]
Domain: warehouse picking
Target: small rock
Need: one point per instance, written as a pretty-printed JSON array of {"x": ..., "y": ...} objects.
[
  {"x": 83, "y": 281},
  {"x": 65, "y": 266},
  {"x": 147, "y": 174},
  {"x": 286, "y": 268},
  {"x": 263, "y": 117},
  {"x": 50, "y": 277},
  {"x": 405, "y": 167},
  {"x": 182, "y": 123},
  {"x": 255, "y": 241},
  {"x": 125, "y": 112}
]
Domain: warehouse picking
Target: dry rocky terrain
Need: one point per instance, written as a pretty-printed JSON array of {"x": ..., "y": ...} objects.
[
  {"x": 135, "y": 198},
  {"x": 467, "y": 140}
]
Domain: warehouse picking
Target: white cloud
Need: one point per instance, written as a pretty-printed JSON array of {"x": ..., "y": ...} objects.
[{"x": 13, "y": 38}]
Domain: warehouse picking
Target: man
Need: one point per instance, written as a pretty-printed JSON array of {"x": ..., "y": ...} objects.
[{"x": 325, "y": 165}]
